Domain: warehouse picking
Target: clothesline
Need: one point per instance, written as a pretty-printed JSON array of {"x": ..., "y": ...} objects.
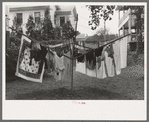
[
  {"x": 102, "y": 45},
  {"x": 74, "y": 58}
]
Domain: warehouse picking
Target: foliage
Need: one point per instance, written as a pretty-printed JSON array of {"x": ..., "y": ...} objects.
[
  {"x": 33, "y": 29},
  {"x": 47, "y": 29},
  {"x": 30, "y": 26},
  {"x": 103, "y": 31},
  {"x": 17, "y": 26},
  {"x": 98, "y": 12},
  {"x": 67, "y": 31},
  {"x": 11, "y": 57},
  {"x": 57, "y": 33}
]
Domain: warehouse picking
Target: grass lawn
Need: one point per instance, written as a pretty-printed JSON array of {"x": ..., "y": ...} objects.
[{"x": 129, "y": 85}]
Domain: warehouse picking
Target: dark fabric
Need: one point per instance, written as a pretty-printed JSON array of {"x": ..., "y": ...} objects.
[
  {"x": 99, "y": 61},
  {"x": 90, "y": 57},
  {"x": 110, "y": 50},
  {"x": 81, "y": 58},
  {"x": 66, "y": 49},
  {"x": 59, "y": 51},
  {"x": 90, "y": 65},
  {"x": 39, "y": 55},
  {"x": 98, "y": 51}
]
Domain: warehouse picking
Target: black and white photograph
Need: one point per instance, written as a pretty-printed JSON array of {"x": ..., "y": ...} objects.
[{"x": 74, "y": 54}]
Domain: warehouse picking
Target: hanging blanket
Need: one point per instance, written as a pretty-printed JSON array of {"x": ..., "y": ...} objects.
[{"x": 33, "y": 72}]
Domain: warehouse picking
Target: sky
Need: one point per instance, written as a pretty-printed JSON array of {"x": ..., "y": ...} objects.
[{"x": 83, "y": 18}]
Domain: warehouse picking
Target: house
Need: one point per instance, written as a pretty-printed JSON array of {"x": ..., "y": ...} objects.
[
  {"x": 127, "y": 24},
  {"x": 126, "y": 21},
  {"x": 81, "y": 38},
  {"x": 59, "y": 14}
]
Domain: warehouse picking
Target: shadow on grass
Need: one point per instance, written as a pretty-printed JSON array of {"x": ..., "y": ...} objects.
[{"x": 86, "y": 93}]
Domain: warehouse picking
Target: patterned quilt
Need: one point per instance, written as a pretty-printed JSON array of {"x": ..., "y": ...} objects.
[{"x": 24, "y": 69}]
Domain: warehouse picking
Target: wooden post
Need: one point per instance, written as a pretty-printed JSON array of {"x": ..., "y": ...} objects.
[
  {"x": 71, "y": 66},
  {"x": 129, "y": 26},
  {"x": 72, "y": 53},
  {"x": 85, "y": 59},
  {"x": 76, "y": 27}
]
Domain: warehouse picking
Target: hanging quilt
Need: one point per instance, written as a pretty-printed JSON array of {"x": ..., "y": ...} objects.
[{"x": 31, "y": 72}]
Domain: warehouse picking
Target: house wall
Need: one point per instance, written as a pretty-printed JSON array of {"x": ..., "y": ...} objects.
[
  {"x": 25, "y": 15},
  {"x": 58, "y": 19},
  {"x": 70, "y": 17}
]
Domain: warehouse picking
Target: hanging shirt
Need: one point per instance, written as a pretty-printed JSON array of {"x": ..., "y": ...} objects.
[
  {"x": 59, "y": 66},
  {"x": 59, "y": 62}
]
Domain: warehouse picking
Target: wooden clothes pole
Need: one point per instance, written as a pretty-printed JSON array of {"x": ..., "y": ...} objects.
[
  {"x": 71, "y": 67},
  {"x": 72, "y": 54}
]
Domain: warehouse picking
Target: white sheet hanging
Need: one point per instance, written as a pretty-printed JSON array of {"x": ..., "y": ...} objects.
[
  {"x": 123, "y": 52},
  {"x": 116, "y": 48},
  {"x": 81, "y": 67}
]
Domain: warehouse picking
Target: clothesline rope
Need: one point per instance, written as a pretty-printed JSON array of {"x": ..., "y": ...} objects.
[
  {"x": 103, "y": 45},
  {"x": 74, "y": 58}
]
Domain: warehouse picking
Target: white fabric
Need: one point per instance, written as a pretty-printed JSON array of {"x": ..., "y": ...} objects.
[
  {"x": 116, "y": 49},
  {"x": 59, "y": 67},
  {"x": 91, "y": 73},
  {"x": 59, "y": 62},
  {"x": 123, "y": 52},
  {"x": 101, "y": 71},
  {"x": 110, "y": 65},
  {"x": 25, "y": 63},
  {"x": 81, "y": 67},
  {"x": 101, "y": 74}
]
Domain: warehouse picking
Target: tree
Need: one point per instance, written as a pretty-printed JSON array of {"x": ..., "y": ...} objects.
[
  {"x": 47, "y": 29},
  {"x": 67, "y": 31},
  {"x": 17, "y": 26},
  {"x": 57, "y": 33},
  {"x": 98, "y": 12},
  {"x": 30, "y": 26},
  {"x": 103, "y": 31}
]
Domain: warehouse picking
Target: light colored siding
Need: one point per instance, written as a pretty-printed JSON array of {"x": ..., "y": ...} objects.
[{"x": 25, "y": 16}]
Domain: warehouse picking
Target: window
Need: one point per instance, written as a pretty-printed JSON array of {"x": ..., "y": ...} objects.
[
  {"x": 62, "y": 21},
  {"x": 37, "y": 17},
  {"x": 19, "y": 18}
]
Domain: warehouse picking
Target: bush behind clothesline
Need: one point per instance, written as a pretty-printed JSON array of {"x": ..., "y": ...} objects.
[{"x": 11, "y": 58}]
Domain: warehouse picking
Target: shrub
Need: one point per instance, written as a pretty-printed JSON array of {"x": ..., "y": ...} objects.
[{"x": 11, "y": 58}]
